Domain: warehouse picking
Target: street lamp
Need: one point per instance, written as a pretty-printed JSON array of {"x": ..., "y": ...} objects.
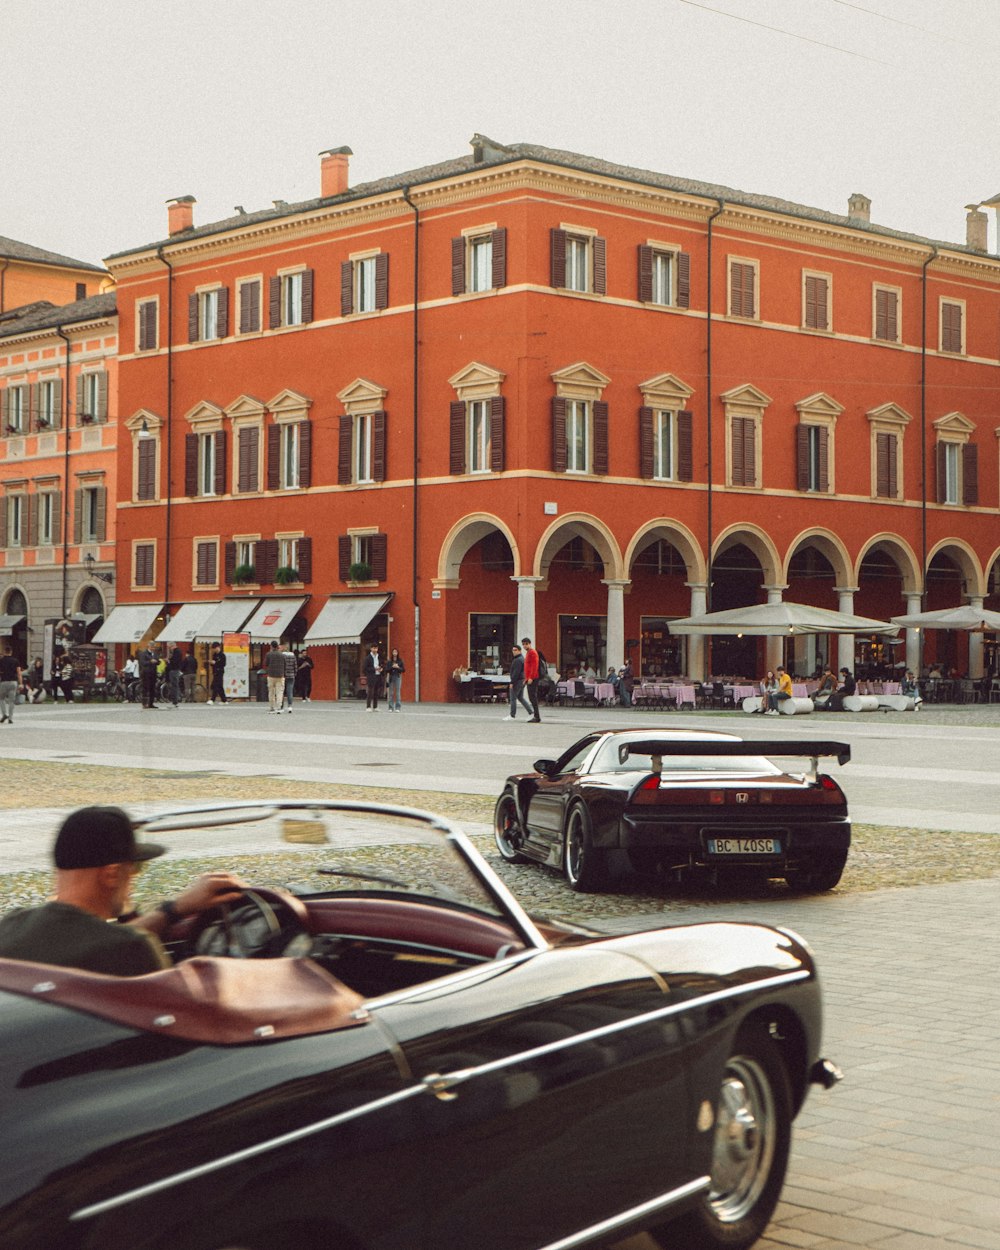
[{"x": 88, "y": 564}]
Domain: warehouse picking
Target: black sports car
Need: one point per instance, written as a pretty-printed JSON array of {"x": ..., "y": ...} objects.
[
  {"x": 677, "y": 801},
  {"x": 397, "y": 1057}
]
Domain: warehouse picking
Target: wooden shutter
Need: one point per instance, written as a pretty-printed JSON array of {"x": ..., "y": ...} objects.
[
  {"x": 273, "y": 457},
  {"x": 145, "y": 574},
  {"x": 193, "y": 335},
  {"x": 102, "y": 396},
  {"x": 941, "y": 471},
  {"x": 885, "y": 466},
  {"x": 802, "y": 457},
  {"x": 147, "y": 326},
  {"x": 190, "y": 465},
  {"x": 34, "y": 395},
  {"x": 308, "y": 281},
  {"x": 305, "y": 454},
  {"x": 645, "y": 283},
  {"x": 382, "y": 280},
  {"x": 4, "y": 506},
  {"x": 344, "y": 556},
  {"x": 558, "y": 434},
  {"x": 249, "y": 307},
  {"x": 824, "y": 459},
  {"x": 346, "y": 288},
  {"x": 206, "y": 564},
  {"x": 304, "y": 559},
  {"x": 248, "y": 456},
  {"x": 685, "y": 445},
  {"x": 744, "y": 451},
  {"x": 57, "y": 403},
  {"x": 274, "y": 303},
  {"x": 886, "y": 326},
  {"x": 970, "y": 475},
  {"x": 456, "y": 437},
  {"x": 557, "y": 259},
  {"x": 378, "y": 446},
  {"x": 57, "y": 517},
  {"x": 222, "y": 315},
  {"x": 4, "y": 409},
  {"x": 951, "y": 327},
  {"x": 600, "y": 252},
  {"x": 32, "y": 521},
  {"x": 683, "y": 279},
  {"x": 146, "y": 469},
  {"x": 220, "y": 462},
  {"x": 600, "y": 418},
  {"x": 266, "y": 558},
  {"x": 230, "y": 563},
  {"x": 79, "y": 398},
  {"x": 497, "y": 421},
  {"x": 646, "y": 458},
  {"x": 458, "y": 266},
  {"x": 498, "y": 240},
  {"x": 344, "y": 474},
  {"x": 816, "y": 303},
  {"x": 379, "y": 550},
  {"x": 741, "y": 299}
]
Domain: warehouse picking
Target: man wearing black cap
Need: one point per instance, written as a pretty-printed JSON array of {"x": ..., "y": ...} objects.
[{"x": 96, "y": 857}]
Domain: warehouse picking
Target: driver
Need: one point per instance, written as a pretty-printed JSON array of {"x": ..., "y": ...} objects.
[{"x": 96, "y": 858}]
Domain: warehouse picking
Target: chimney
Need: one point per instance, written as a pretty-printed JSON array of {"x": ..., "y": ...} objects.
[
  {"x": 180, "y": 214},
  {"x": 333, "y": 171},
  {"x": 859, "y": 207},
  {"x": 976, "y": 228}
]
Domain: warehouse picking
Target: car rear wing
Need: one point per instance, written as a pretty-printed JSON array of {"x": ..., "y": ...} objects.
[{"x": 657, "y": 748}]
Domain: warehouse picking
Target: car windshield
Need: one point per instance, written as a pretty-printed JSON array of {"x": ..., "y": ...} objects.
[
  {"x": 615, "y": 756},
  {"x": 345, "y": 848}
]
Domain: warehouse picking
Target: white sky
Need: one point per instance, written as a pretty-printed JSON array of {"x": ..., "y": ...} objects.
[{"x": 110, "y": 107}]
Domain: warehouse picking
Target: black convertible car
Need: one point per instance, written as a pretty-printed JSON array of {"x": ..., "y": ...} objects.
[
  {"x": 677, "y": 802},
  {"x": 396, "y": 1057}
]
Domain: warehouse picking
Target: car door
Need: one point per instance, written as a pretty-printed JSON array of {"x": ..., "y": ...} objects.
[
  {"x": 552, "y": 1103},
  {"x": 547, "y": 805}
]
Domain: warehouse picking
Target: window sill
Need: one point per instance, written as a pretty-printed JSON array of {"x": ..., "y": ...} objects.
[
  {"x": 822, "y": 331},
  {"x": 363, "y": 585},
  {"x": 877, "y": 342}
]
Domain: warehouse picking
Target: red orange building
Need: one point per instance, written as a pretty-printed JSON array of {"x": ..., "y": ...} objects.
[{"x": 531, "y": 392}]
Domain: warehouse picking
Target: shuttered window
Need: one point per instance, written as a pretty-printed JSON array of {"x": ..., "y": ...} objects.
[
  {"x": 970, "y": 475},
  {"x": 886, "y": 484},
  {"x": 370, "y": 549},
  {"x": 147, "y": 312},
  {"x": 742, "y": 289},
  {"x": 951, "y": 326},
  {"x": 957, "y": 472},
  {"x": 479, "y": 262},
  {"x": 289, "y": 455},
  {"x": 249, "y": 310},
  {"x": 207, "y": 564},
  {"x": 578, "y": 262},
  {"x": 208, "y": 315},
  {"x": 248, "y": 458},
  {"x": 812, "y": 457},
  {"x": 145, "y": 564},
  {"x": 364, "y": 284},
  {"x": 665, "y": 445},
  {"x": 664, "y": 277},
  {"x": 743, "y": 451},
  {"x": 145, "y": 487},
  {"x": 205, "y": 463},
  {"x": 91, "y": 397},
  {"x": 290, "y": 299},
  {"x": 817, "y": 302},
  {"x": 886, "y": 315}
]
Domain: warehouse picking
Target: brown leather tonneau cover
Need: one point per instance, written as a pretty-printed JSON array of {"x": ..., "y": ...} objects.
[{"x": 205, "y": 999}]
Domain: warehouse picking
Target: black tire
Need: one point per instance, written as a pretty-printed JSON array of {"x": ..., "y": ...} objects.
[
  {"x": 822, "y": 876},
  {"x": 585, "y": 867},
  {"x": 507, "y": 830},
  {"x": 753, "y": 1129}
]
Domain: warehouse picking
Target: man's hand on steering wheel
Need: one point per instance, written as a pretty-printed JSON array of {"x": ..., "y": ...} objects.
[{"x": 203, "y": 894}]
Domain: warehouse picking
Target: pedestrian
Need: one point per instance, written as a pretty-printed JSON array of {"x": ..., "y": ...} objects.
[
  {"x": 175, "y": 674},
  {"x": 304, "y": 675},
  {"x": 96, "y": 858},
  {"x": 626, "y": 684},
  {"x": 189, "y": 672},
  {"x": 35, "y": 681},
  {"x": 531, "y": 679},
  {"x": 291, "y": 665},
  {"x": 394, "y": 669},
  {"x": 10, "y": 683},
  {"x": 148, "y": 661},
  {"x": 517, "y": 684},
  {"x": 372, "y": 670},
  {"x": 274, "y": 671},
  {"x": 217, "y": 694}
]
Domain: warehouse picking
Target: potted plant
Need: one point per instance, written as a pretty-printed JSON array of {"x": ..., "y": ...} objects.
[
  {"x": 285, "y": 575},
  {"x": 244, "y": 573},
  {"x": 359, "y": 571}
]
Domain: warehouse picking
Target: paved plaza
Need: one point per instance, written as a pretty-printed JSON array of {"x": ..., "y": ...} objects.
[{"x": 901, "y": 1155}]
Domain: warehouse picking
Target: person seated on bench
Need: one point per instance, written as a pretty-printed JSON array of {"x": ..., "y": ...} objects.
[
  {"x": 847, "y": 686},
  {"x": 768, "y": 688},
  {"x": 909, "y": 687},
  {"x": 827, "y": 685},
  {"x": 784, "y": 691}
]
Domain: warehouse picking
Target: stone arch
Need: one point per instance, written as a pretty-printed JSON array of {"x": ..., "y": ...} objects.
[
  {"x": 461, "y": 538},
  {"x": 993, "y": 560},
  {"x": 968, "y": 562},
  {"x": 830, "y": 545},
  {"x": 902, "y": 556},
  {"x": 579, "y": 525},
  {"x": 679, "y": 536},
  {"x": 757, "y": 541}
]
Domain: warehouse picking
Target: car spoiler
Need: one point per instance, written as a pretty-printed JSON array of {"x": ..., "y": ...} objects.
[{"x": 840, "y": 751}]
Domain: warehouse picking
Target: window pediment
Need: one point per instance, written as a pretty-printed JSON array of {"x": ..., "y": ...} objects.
[
  {"x": 889, "y": 415},
  {"x": 205, "y": 414},
  {"x": 246, "y": 407},
  {"x": 477, "y": 381},
  {"x": 956, "y": 426},
  {"x": 746, "y": 396},
  {"x": 362, "y": 396},
  {"x": 580, "y": 381},
  {"x": 820, "y": 407},
  {"x": 289, "y": 404},
  {"x": 153, "y": 422},
  {"x": 666, "y": 390}
]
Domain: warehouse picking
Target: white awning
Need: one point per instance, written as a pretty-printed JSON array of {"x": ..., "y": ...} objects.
[
  {"x": 228, "y": 618},
  {"x": 8, "y": 624},
  {"x": 129, "y": 622},
  {"x": 344, "y": 618},
  {"x": 186, "y": 623},
  {"x": 272, "y": 618}
]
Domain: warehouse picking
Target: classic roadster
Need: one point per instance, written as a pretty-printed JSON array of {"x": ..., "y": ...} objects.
[
  {"x": 679, "y": 802},
  {"x": 397, "y": 1056}
]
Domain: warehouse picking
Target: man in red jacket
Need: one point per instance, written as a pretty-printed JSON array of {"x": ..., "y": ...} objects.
[{"x": 531, "y": 678}]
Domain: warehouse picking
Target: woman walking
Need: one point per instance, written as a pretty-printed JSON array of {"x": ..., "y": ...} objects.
[{"x": 395, "y": 670}]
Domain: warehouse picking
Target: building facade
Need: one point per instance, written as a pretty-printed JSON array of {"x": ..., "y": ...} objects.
[
  {"x": 30, "y": 274},
  {"x": 530, "y": 392}
]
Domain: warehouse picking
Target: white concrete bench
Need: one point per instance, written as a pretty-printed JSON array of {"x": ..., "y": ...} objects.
[
  {"x": 861, "y": 703},
  {"x": 897, "y": 702},
  {"x": 795, "y": 707}
]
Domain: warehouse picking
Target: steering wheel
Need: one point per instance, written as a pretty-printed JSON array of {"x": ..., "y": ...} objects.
[{"x": 263, "y": 923}]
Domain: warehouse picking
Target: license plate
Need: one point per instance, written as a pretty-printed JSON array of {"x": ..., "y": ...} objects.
[{"x": 744, "y": 846}]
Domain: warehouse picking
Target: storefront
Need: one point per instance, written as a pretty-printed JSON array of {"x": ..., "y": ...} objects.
[{"x": 351, "y": 623}]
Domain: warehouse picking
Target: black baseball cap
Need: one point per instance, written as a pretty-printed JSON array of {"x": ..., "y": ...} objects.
[{"x": 92, "y": 837}]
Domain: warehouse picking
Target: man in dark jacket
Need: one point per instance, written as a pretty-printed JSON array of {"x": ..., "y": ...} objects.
[
  {"x": 372, "y": 670},
  {"x": 148, "y": 660},
  {"x": 218, "y": 691},
  {"x": 517, "y": 684},
  {"x": 175, "y": 673}
]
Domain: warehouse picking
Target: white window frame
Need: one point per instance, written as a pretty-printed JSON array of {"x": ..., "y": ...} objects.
[
  {"x": 91, "y": 395},
  {"x": 579, "y": 435},
  {"x": 749, "y": 402},
  {"x": 663, "y": 278},
  {"x": 364, "y": 283},
  {"x": 206, "y": 463},
  {"x": 89, "y": 499},
  {"x": 290, "y": 457},
  {"x": 664, "y": 432},
  {"x": 17, "y": 519},
  {"x": 291, "y": 298},
  {"x": 477, "y": 427},
  {"x": 479, "y": 262},
  {"x": 288, "y": 551},
  {"x": 47, "y": 403},
  {"x": 246, "y": 550},
  {"x": 46, "y": 518},
  {"x": 579, "y": 264},
  {"x": 18, "y": 399},
  {"x": 888, "y": 419},
  {"x": 208, "y": 315},
  {"x": 362, "y": 447},
  {"x": 953, "y": 472}
]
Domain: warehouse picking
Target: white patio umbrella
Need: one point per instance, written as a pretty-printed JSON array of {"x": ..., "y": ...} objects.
[
  {"x": 775, "y": 620},
  {"x": 967, "y": 617}
]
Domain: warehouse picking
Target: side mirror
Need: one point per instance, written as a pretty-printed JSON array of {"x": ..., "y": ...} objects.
[{"x": 546, "y": 767}]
